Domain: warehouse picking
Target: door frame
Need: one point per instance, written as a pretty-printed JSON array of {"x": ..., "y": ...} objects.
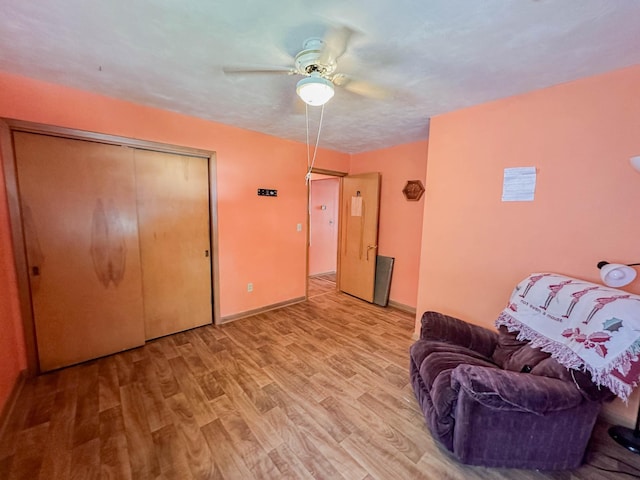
[
  {"x": 339, "y": 175},
  {"x": 8, "y": 160}
]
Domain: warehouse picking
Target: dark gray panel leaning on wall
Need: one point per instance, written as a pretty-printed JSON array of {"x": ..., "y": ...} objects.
[{"x": 384, "y": 269}]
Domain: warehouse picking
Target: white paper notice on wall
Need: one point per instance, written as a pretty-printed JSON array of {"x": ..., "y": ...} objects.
[
  {"x": 519, "y": 184},
  {"x": 356, "y": 206}
]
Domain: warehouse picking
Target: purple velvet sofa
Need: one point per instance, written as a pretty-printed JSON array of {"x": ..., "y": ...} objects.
[{"x": 492, "y": 400}]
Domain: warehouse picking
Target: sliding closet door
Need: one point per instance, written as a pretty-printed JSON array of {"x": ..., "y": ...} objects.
[
  {"x": 79, "y": 217},
  {"x": 173, "y": 218}
]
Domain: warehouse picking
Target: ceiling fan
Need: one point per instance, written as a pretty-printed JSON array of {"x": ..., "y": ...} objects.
[{"x": 317, "y": 62}]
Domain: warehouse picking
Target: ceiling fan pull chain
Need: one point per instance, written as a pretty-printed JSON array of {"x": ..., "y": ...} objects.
[{"x": 315, "y": 151}]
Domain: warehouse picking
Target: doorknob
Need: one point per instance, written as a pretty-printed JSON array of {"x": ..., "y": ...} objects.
[{"x": 370, "y": 247}]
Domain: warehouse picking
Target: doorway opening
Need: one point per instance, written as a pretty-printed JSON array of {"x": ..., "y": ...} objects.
[
  {"x": 342, "y": 235},
  {"x": 322, "y": 247}
]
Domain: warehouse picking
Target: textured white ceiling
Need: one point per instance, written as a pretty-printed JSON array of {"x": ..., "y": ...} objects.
[{"x": 437, "y": 55}]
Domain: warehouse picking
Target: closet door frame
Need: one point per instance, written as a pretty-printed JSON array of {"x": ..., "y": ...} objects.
[{"x": 8, "y": 161}]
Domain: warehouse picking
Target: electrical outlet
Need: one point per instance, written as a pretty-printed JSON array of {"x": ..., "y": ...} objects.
[
  {"x": 267, "y": 192},
  {"x": 249, "y": 287},
  {"x": 299, "y": 227}
]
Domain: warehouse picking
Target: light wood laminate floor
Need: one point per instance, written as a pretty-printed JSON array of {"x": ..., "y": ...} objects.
[
  {"x": 321, "y": 284},
  {"x": 315, "y": 390}
]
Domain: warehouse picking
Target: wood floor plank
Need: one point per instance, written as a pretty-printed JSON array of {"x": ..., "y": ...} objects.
[
  {"x": 194, "y": 443},
  {"x": 236, "y": 372},
  {"x": 315, "y": 390},
  {"x": 124, "y": 367},
  {"x": 194, "y": 362},
  {"x": 142, "y": 455},
  {"x": 251, "y": 369},
  {"x": 243, "y": 441},
  {"x": 16, "y": 423},
  {"x": 41, "y": 409},
  {"x": 321, "y": 284},
  {"x": 171, "y": 455},
  {"x": 56, "y": 462},
  {"x": 229, "y": 462},
  {"x": 85, "y": 461},
  {"x": 108, "y": 386},
  {"x": 166, "y": 379},
  {"x": 29, "y": 453},
  {"x": 158, "y": 415},
  {"x": 330, "y": 381},
  {"x": 202, "y": 410},
  {"x": 362, "y": 421},
  {"x": 205, "y": 351},
  {"x": 307, "y": 425},
  {"x": 235, "y": 399},
  {"x": 210, "y": 386},
  {"x": 381, "y": 462},
  {"x": 412, "y": 428},
  {"x": 303, "y": 447},
  {"x": 86, "y": 424},
  {"x": 289, "y": 466},
  {"x": 114, "y": 453},
  {"x": 167, "y": 346}
]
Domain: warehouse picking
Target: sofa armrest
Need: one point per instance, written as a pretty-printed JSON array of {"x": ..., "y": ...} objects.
[
  {"x": 443, "y": 328},
  {"x": 514, "y": 391}
]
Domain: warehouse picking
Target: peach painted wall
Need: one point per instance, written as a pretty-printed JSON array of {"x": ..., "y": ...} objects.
[
  {"x": 579, "y": 136},
  {"x": 323, "y": 225},
  {"x": 257, "y": 235},
  {"x": 12, "y": 353},
  {"x": 400, "y": 226}
]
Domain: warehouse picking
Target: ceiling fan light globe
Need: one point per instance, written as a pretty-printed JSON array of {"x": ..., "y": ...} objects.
[{"x": 315, "y": 90}]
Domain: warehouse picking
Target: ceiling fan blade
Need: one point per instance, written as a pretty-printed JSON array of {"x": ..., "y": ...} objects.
[
  {"x": 360, "y": 87},
  {"x": 259, "y": 70},
  {"x": 335, "y": 43}
]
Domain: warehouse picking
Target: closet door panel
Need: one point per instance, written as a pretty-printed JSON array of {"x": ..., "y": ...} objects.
[
  {"x": 173, "y": 219},
  {"x": 80, "y": 223}
]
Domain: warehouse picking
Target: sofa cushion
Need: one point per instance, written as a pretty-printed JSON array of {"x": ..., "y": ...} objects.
[
  {"x": 512, "y": 391},
  {"x": 442, "y": 362},
  {"x": 435, "y": 361},
  {"x": 507, "y": 345},
  {"x": 581, "y": 380},
  {"x": 443, "y": 396},
  {"x": 423, "y": 348},
  {"x": 549, "y": 367},
  {"x": 435, "y": 372},
  {"x": 516, "y": 355}
]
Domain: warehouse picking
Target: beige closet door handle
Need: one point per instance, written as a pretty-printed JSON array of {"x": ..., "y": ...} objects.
[{"x": 370, "y": 247}]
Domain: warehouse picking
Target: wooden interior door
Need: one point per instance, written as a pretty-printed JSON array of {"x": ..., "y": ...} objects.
[
  {"x": 79, "y": 218},
  {"x": 359, "y": 234},
  {"x": 173, "y": 218}
]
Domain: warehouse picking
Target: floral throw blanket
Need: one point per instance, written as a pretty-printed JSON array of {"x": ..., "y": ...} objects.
[{"x": 582, "y": 325}]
